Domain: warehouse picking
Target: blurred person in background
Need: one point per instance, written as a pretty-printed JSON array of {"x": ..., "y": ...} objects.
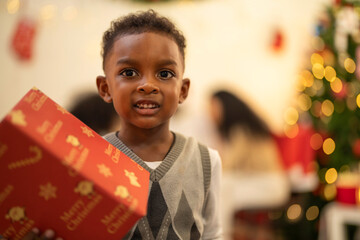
[
  {"x": 91, "y": 109},
  {"x": 253, "y": 175}
]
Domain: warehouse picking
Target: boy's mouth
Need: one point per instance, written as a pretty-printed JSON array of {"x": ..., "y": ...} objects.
[{"x": 147, "y": 105}]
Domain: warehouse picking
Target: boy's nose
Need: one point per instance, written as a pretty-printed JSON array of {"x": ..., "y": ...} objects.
[{"x": 148, "y": 87}]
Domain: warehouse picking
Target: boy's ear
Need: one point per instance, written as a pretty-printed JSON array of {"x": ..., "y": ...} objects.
[
  {"x": 185, "y": 85},
  {"x": 103, "y": 89}
]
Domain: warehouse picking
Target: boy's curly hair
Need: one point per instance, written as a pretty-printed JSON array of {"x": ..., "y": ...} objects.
[{"x": 140, "y": 22}]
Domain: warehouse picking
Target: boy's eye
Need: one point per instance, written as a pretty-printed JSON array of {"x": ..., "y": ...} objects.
[
  {"x": 166, "y": 74},
  {"x": 128, "y": 73}
]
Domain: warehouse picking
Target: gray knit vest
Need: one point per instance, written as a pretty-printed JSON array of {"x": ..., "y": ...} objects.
[{"x": 178, "y": 191}]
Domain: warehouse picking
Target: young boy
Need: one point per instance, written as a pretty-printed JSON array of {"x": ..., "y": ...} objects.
[{"x": 143, "y": 62}]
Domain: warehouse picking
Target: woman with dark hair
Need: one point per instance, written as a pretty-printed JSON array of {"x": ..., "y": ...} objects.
[{"x": 253, "y": 176}]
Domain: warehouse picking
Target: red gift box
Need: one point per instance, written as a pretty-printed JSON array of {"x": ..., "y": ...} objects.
[
  {"x": 348, "y": 195},
  {"x": 348, "y": 188},
  {"x": 55, "y": 172}
]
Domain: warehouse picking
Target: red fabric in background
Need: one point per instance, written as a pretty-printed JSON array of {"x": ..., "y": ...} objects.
[{"x": 297, "y": 150}]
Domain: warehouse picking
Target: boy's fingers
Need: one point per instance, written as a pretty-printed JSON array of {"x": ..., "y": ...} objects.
[
  {"x": 48, "y": 234},
  {"x": 32, "y": 234},
  {"x": 2, "y": 238}
]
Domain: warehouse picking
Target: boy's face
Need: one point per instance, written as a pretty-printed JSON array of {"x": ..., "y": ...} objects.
[{"x": 144, "y": 79}]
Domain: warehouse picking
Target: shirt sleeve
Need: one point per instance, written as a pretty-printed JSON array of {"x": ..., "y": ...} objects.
[{"x": 212, "y": 211}]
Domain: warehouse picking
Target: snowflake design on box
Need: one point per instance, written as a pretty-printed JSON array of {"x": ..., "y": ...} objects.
[
  {"x": 47, "y": 191},
  {"x": 104, "y": 170}
]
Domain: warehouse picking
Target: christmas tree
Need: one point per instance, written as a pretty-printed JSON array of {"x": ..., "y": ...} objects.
[{"x": 329, "y": 99}]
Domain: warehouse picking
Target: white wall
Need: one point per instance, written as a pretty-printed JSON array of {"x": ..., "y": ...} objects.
[{"x": 228, "y": 45}]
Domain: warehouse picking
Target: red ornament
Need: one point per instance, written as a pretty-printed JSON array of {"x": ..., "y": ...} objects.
[
  {"x": 23, "y": 38},
  {"x": 278, "y": 40},
  {"x": 356, "y": 147},
  {"x": 337, "y": 2}
]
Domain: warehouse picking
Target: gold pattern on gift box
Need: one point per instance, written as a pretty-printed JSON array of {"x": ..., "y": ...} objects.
[
  {"x": 31, "y": 97},
  {"x": 87, "y": 131},
  {"x": 104, "y": 170},
  {"x": 5, "y": 193},
  {"x": 39, "y": 103},
  {"x": 85, "y": 188},
  {"x": 133, "y": 178},
  {"x": 113, "y": 152},
  {"x": 122, "y": 192},
  {"x": 79, "y": 211},
  {"x": 18, "y": 233},
  {"x": 76, "y": 158},
  {"x": 61, "y": 109},
  {"x": 36, "y": 99},
  {"x": 28, "y": 161},
  {"x": 118, "y": 216},
  {"x": 49, "y": 131},
  {"x": 54, "y": 131},
  {"x": 47, "y": 191},
  {"x": 18, "y": 118},
  {"x": 16, "y": 214},
  {"x": 3, "y": 148},
  {"x": 74, "y": 141}
]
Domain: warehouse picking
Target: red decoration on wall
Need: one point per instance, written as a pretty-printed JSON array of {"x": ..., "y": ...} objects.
[
  {"x": 278, "y": 40},
  {"x": 337, "y": 2},
  {"x": 23, "y": 38}
]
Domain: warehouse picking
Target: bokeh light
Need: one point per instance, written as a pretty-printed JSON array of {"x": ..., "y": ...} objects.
[
  {"x": 358, "y": 100},
  {"x": 316, "y": 108},
  {"x": 316, "y": 141},
  {"x": 48, "y": 12},
  {"x": 330, "y": 73},
  {"x": 304, "y": 101},
  {"x": 291, "y": 131},
  {"x": 327, "y": 108},
  {"x": 349, "y": 65},
  {"x": 336, "y": 85},
  {"x": 294, "y": 212},
  {"x": 329, "y": 192},
  {"x": 312, "y": 213},
  {"x": 306, "y": 78},
  {"x": 331, "y": 175},
  {"x": 291, "y": 116},
  {"x": 317, "y": 58},
  {"x": 328, "y": 146},
  {"x": 13, "y": 6},
  {"x": 318, "y": 70}
]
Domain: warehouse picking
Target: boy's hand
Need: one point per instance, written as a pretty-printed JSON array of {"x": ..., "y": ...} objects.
[{"x": 35, "y": 234}]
